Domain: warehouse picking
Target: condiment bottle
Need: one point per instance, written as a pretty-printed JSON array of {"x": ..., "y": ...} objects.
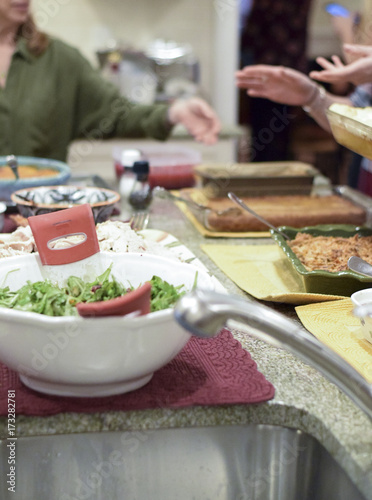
[
  {"x": 140, "y": 196},
  {"x": 127, "y": 177}
]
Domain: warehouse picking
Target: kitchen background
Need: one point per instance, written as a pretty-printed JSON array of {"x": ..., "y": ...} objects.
[{"x": 210, "y": 27}]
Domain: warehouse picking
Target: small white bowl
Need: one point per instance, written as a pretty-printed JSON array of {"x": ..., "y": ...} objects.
[
  {"x": 87, "y": 357},
  {"x": 2, "y": 216},
  {"x": 364, "y": 298}
]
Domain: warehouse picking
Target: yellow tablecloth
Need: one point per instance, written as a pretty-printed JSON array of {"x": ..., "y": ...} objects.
[
  {"x": 264, "y": 272},
  {"x": 334, "y": 325},
  {"x": 217, "y": 234}
]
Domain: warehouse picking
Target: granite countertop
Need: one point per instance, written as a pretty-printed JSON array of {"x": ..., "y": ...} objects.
[
  {"x": 303, "y": 400},
  {"x": 179, "y": 132}
]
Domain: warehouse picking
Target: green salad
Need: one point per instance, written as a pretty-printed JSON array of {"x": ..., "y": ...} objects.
[{"x": 45, "y": 297}]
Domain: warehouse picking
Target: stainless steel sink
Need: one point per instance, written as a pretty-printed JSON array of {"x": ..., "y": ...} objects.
[{"x": 238, "y": 462}]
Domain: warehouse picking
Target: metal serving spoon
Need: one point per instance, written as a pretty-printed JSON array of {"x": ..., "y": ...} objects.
[
  {"x": 240, "y": 202},
  {"x": 165, "y": 194},
  {"x": 359, "y": 266},
  {"x": 12, "y": 162}
]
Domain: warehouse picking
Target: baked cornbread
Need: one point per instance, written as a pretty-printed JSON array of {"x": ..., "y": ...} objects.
[{"x": 294, "y": 210}]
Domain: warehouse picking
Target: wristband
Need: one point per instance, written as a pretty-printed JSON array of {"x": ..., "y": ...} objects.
[{"x": 319, "y": 93}]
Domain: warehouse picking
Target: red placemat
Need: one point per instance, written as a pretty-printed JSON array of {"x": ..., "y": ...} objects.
[
  {"x": 9, "y": 225},
  {"x": 214, "y": 371}
]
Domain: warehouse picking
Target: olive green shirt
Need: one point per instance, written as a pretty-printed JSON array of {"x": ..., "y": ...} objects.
[{"x": 57, "y": 97}]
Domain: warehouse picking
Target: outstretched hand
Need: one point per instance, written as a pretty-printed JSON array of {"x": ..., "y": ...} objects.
[
  {"x": 199, "y": 119},
  {"x": 277, "y": 83},
  {"x": 357, "y": 72}
]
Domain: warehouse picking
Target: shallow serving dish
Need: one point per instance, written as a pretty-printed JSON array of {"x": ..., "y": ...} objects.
[
  {"x": 46, "y": 199},
  {"x": 342, "y": 283},
  {"x": 256, "y": 179},
  {"x": 351, "y": 133},
  {"x": 8, "y": 186},
  {"x": 87, "y": 357}
]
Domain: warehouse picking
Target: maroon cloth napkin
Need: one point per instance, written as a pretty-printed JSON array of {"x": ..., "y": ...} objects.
[
  {"x": 214, "y": 371},
  {"x": 9, "y": 225}
]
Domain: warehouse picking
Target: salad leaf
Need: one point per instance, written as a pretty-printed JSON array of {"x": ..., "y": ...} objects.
[
  {"x": 163, "y": 295},
  {"x": 45, "y": 297}
]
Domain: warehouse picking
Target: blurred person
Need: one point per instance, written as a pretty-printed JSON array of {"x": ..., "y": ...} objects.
[
  {"x": 358, "y": 72},
  {"x": 355, "y": 34},
  {"x": 350, "y": 28},
  {"x": 356, "y": 28},
  {"x": 273, "y": 33},
  {"x": 285, "y": 85},
  {"x": 51, "y": 95},
  {"x": 345, "y": 27}
]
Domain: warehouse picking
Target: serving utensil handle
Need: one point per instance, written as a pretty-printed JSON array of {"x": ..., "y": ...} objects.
[
  {"x": 12, "y": 162},
  {"x": 241, "y": 203},
  {"x": 47, "y": 229},
  {"x": 165, "y": 194}
]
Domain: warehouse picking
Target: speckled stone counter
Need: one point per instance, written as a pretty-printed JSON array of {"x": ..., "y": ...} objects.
[{"x": 304, "y": 399}]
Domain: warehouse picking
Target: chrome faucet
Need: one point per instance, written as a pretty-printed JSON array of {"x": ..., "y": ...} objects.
[{"x": 204, "y": 313}]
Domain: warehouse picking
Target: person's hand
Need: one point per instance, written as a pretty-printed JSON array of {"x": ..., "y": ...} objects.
[
  {"x": 277, "y": 83},
  {"x": 357, "y": 72},
  {"x": 197, "y": 117},
  {"x": 357, "y": 51}
]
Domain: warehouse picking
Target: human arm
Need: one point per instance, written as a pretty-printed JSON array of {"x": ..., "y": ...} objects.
[
  {"x": 344, "y": 26},
  {"x": 288, "y": 86},
  {"x": 197, "y": 117},
  {"x": 357, "y": 72},
  {"x": 102, "y": 112},
  {"x": 346, "y": 29}
]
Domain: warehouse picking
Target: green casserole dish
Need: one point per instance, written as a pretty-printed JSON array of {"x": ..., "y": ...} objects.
[{"x": 342, "y": 283}]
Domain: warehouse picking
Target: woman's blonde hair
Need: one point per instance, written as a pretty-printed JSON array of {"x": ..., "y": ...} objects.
[{"x": 36, "y": 40}]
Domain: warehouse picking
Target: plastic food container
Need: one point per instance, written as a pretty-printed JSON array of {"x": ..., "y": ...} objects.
[{"x": 171, "y": 167}]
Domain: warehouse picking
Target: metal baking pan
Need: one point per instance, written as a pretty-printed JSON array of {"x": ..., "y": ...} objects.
[{"x": 358, "y": 198}]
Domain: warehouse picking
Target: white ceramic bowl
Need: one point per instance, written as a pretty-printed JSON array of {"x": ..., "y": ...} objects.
[
  {"x": 361, "y": 298},
  {"x": 2, "y": 216},
  {"x": 75, "y": 356}
]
